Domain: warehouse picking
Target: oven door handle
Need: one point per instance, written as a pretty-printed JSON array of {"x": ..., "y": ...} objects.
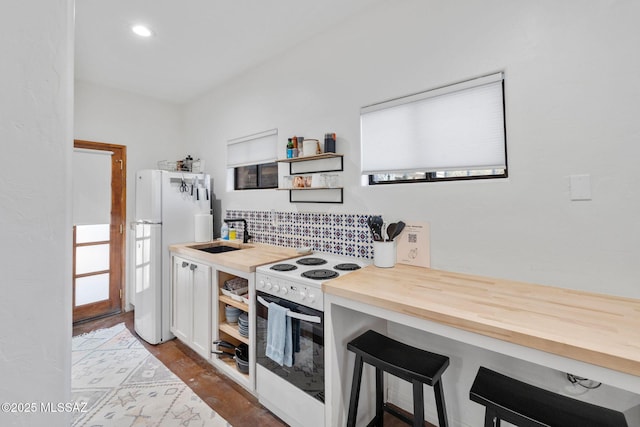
[{"x": 293, "y": 314}]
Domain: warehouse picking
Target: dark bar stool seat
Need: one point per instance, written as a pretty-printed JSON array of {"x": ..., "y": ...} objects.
[
  {"x": 526, "y": 405},
  {"x": 416, "y": 366}
]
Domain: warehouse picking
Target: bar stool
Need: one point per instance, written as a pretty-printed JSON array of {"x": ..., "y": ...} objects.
[
  {"x": 408, "y": 363},
  {"x": 525, "y": 405}
]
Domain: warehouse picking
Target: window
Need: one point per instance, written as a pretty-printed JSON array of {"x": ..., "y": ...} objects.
[
  {"x": 252, "y": 160},
  {"x": 256, "y": 176},
  {"x": 450, "y": 133}
]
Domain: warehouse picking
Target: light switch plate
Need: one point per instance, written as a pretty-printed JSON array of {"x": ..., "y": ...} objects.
[{"x": 580, "y": 187}]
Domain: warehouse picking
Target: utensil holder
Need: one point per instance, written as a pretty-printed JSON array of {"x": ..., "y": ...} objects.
[{"x": 384, "y": 254}]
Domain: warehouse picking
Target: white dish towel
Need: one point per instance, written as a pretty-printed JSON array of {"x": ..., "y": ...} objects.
[{"x": 279, "y": 343}]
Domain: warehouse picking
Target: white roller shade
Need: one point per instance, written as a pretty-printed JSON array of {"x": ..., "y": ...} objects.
[
  {"x": 253, "y": 149},
  {"x": 457, "y": 127},
  {"x": 91, "y": 187}
]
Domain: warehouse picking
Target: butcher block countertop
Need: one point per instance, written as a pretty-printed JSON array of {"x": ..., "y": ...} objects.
[
  {"x": 251, "y": 255},
  {"x": 602, "y": 330}
]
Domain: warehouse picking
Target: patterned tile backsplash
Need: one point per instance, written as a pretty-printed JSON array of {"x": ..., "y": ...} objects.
[{"x": 340, "y": 234}]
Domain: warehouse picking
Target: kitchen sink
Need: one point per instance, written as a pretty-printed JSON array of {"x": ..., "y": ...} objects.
[{"x": 219, "y": 249}]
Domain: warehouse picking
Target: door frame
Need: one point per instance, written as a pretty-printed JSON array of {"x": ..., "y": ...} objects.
[{"x": 117, "y": 234}]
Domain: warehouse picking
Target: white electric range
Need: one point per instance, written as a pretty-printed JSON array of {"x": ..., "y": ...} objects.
[
  {"x": 300, "y": 279},
  {"x": 295, "y": 393}
]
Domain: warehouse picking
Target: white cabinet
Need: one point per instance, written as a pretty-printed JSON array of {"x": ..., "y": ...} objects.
[
  {"x": 190, "y": 308},
  {"x": 198, "y": 313}
]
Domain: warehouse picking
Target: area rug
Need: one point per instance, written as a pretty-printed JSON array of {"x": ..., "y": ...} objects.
[{"x": 117, "y": 382}]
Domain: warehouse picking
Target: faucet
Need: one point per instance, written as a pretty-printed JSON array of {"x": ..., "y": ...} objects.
[{"x": 245, "y": 233}]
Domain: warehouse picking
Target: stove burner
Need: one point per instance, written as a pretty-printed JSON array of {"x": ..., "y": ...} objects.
[
  {"x": 311, "y": 261},
  {"x": 283, "y": 267},
  {"x": 347, "y": 266},
  {"x": 320, "y": 274}
]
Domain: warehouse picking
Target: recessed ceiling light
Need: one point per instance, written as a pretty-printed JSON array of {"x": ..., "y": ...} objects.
[{"x": 141, "y": 30}]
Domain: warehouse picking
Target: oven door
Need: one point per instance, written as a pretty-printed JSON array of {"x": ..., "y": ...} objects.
[{"x": 307, "y": 328}]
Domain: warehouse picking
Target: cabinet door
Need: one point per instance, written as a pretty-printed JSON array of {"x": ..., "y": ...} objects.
[
  {"x": 181, "y": 294},
  {"x": 201, "y": 338}
]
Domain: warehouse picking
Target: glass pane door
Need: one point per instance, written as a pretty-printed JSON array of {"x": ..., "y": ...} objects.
[
  {"x": 99, "y": 217},
  {"x": 92, "y": 264}
]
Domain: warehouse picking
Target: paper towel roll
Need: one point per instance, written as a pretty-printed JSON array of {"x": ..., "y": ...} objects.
[{"x": 204, "y": 227}]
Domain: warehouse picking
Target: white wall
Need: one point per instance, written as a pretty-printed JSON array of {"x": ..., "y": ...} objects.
[
  {"x": 572, "y": 97},
  {"x": 36, "y": 41},
  {"x": 150, "y": 129}
]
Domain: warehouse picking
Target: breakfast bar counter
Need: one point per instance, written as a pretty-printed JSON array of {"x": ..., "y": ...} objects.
[{"x": 589, "y": 334}]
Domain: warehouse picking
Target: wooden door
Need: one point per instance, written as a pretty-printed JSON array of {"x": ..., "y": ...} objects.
[{"x": 99, "y": 249}]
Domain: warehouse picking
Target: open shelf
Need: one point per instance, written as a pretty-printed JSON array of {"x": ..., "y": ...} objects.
[
  {"x": 230, "y": 333},
  {"x": 235, "y": 303},
  {"x": 320, "y": 163},
  {"x": 321, "y": 195},
  {"x": 310, "y": 188},
  {"x": 308, "y": 158},
  {"x": 232, "y": 330}
]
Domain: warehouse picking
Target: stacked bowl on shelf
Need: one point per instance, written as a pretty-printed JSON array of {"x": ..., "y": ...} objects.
[{"x": 232, "y": 313}]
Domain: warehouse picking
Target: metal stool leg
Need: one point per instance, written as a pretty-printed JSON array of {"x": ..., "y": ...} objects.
[
  {"x": 440, "y": 406},
  {"x": 379, "y": 398},
  {"x": 418, "y": 404},
  {"x": 491, "y": 418},
  {"x": 355, "y": 392}
]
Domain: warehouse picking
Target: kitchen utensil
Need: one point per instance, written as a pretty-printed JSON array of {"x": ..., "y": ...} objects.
[
  {"x": 225, "y": 344},
  {"x": 399, "y": 227},
  {"x": 242, "y": 365},
  {"x": 391, "y": 229},
  {"x": 241, "y": 354},
  {"x": 375, "y": 225},
  {"x": 241, "y": 351},
  {"x": 370, "y": 224},
  {"x": 183, "y": 185},
  {"x": 223, "y": 353}
]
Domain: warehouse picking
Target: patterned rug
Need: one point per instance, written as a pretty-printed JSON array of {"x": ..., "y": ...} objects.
[{"x": 122, "y": 384}]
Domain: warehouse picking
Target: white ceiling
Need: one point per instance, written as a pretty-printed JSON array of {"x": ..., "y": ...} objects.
[{"x": 197, "y": 45}]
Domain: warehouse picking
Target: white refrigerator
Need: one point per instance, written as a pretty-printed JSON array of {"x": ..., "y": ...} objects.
[{"x": 166, "y": 207}]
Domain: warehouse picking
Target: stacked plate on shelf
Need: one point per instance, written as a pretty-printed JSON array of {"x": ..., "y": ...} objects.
[{"x": 243, "y": 324}]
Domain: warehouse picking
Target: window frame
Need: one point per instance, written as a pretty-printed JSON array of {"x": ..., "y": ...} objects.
[{"x": 431, "y": 177}]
